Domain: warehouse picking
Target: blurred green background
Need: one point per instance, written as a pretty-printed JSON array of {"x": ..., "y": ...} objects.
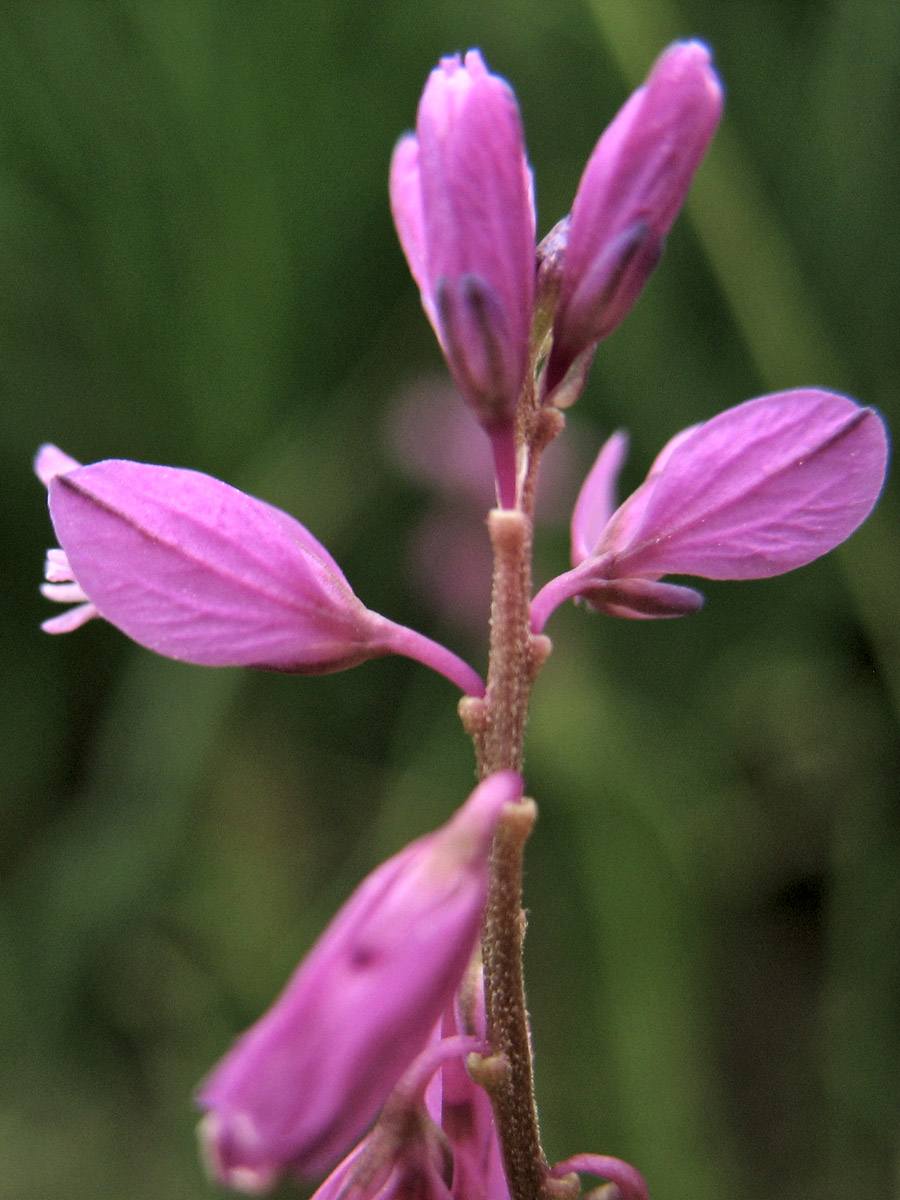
[{"x": 200, "y": 269}]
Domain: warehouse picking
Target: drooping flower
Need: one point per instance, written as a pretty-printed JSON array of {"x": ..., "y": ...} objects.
[
  {"x": 196, "y": 570},
  {"x": 630, "y": 193},
  {"x": 303, "y": 1084},
  {"x": 461, "y": 196},
  {"x": 760, "y": 489}
]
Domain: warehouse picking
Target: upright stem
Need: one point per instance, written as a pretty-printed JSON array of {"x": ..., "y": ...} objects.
[
  {"x": 497, "y": 726},
  {"x": 511, "y": 1087}
]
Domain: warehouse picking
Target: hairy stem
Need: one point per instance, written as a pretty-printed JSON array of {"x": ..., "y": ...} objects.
[
  {"x": 511, "y": 1086},
  {"x": 496, "y": 724},
  {"x": 499, "y": 742}
]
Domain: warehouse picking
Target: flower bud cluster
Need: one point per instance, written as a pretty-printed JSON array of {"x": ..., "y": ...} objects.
[{"x": 463, "y": 204}]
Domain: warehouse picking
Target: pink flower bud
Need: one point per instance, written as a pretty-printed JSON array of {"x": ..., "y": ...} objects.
[
  {"x": 630, "y": 193},
  {"x": 304, "y": 1082},
  {"x": 196, "y": 570},
  {"x": 461, "y": 196},
  {"x": 759, "y": 490}
]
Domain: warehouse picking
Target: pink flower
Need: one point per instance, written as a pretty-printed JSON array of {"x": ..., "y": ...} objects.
[
  {"x": 461, "y": 196},
  {"x": 304, "y": 1082},
  {"x": 631, "y": 191},
  {"x": 758, "y": 490},
  {"x": 196, "y": 570}
]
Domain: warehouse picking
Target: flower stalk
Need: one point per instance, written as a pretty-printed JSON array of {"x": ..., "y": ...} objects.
[
  {"x": 496, "y": 724},
  {"x": 508, "y": 1076}
]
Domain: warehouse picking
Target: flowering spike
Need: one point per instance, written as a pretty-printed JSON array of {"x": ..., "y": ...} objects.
[
  {"x": 630, "y": 193},
  {"x": 196, "y": 570},
  {"x": 304, "y": 1082},
  {"x": 462, "y": 201},
  {"x": 760, "y": 489}
]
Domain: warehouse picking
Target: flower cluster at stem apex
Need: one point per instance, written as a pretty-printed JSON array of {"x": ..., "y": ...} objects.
[
  {"x": 196, "y": 570},
  {"x": 759, "y": 490},
  {"x": 463, "y": 203}
]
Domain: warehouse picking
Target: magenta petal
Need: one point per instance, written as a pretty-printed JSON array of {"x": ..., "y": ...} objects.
[
  {"x": 462, "y": 202},
  {"x": 406, "y": 208},
  {"x": 196, "y": 570},
  {"x": 50, "y": 461},
  {"x": 629, "y": 195},
  {"x": 760, "y": 489},
  {"x": 304, "y": 1082},
  {"x": 71, "y": 619},
  {"x": 597, "y": 498},
  {"x": 467, "y": 1117},
  {"x": 619, "y": 531},
  {"x": 636, "y": 598},
  {"x": 477, "y": 208},
  {"x": 642, "y": 599}
]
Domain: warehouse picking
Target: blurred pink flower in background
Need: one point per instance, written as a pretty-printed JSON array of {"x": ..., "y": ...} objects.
[{"x": 430, "y": 436}]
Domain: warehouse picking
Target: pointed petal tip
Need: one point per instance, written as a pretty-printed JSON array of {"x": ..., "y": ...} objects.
[
  {"x": 691, "y": 55},
  {"x": 50, "y": 461},
  {"x": 474, "y": 61}
]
